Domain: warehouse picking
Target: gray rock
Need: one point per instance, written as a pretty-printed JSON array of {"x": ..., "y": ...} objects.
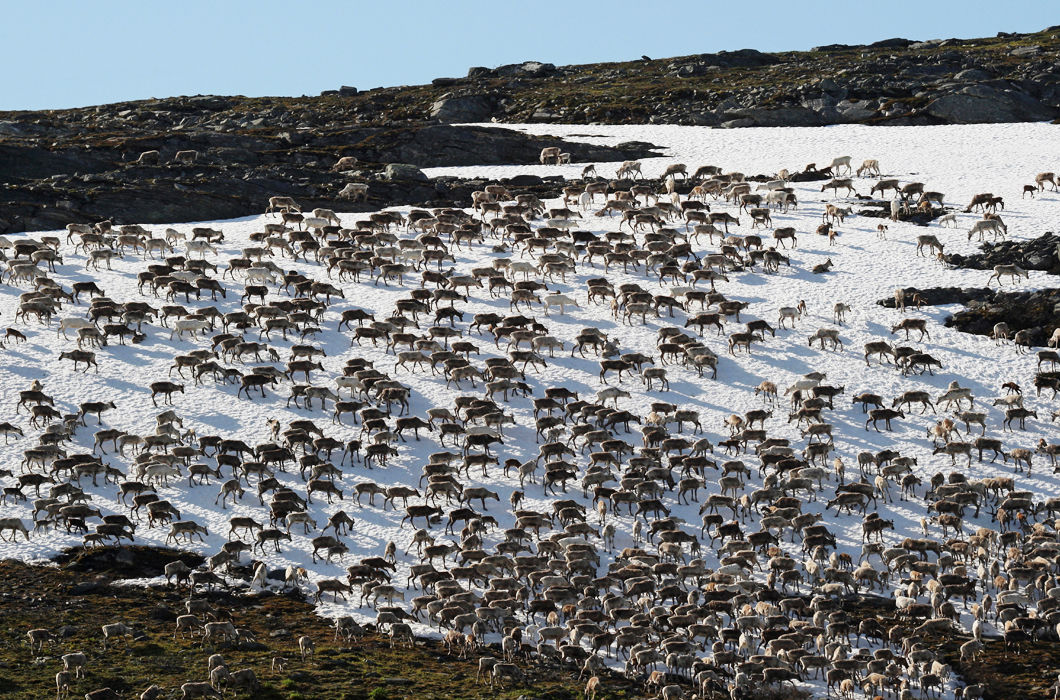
[
  {"x": 692, "y": 70},
  {"x": 403, "y": 171},
  {"x": 896, "y": 109},
  {"x": 855, "y": 110},
  {"x": 728, "y": 105},
  {"x": 463, "y": 108},
  {"x": 820, "y": 102},
  {"x": 832, "y": 47},
  {"x": 782, "y": 116},
  {"x": 972, "y": 75},
  {"x": 746, "y": 58},
  {"x": 1026, "y": 51},
  {"x": 544, "y": 115},
  {"x": 1021, "y": 310},
  {"x": 85, "y": 587},
  {"x": 982, "y": 104},
  {"x": 526, "y": 69},
  {"x": 830, "y": 88},
  {"x": 8, "y": 128},
  {"x": 536, "y": 68},
  {"x": 825, "y": 107},
  {"x": 704, "y": 119}
]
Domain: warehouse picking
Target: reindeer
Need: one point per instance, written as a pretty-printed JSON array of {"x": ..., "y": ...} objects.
[
  {"x": 870, "y": 167},
  {"x": 840, "y": 184},
  {"x": 1013, "y": 271}
]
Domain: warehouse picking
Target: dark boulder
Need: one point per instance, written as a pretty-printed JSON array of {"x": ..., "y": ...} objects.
[
  {"x": 829, "y": 48},
  {"x": 882, "y": 210},
  {"x": 463, "y": 108},
  {"x": 809, "y": 176},
  {"x": 972, "y": 75},
  {"x": 525, "y": 181},
  {"x": 1040, "y": 253},
  {"x": 403, "y": 171},
  {"x": 896, "y": 43},
  {"x": 940, "y": 296},
  {"x": 1036, "y": 312},
  {"x": 741, "y": 58}
]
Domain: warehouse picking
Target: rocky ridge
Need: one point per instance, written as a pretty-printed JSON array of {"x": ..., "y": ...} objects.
[
  {"x": 1010, "y": 77},
  {"x": 1041, "y": 253},
  {"x": 61, "y": 166},
  {"x": 1035, "y": 311},
  {"x": 87, "y": 169}
]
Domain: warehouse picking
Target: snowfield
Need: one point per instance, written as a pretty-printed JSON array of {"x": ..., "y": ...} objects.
[{"x": 959, "y": 161}]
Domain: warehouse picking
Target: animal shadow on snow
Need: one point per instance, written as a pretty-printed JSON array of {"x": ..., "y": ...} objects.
[
  {"x": 27, "y": 371},
  {"x": 754, "y": 280}
]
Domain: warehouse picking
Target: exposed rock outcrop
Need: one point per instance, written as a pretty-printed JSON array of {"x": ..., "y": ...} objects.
[
  {"x": 59, "y": 166},
  {"x": 1036, "y": 311},
  {"x": 79, "y": 177},
  {"x": 1040, "y": 253}
]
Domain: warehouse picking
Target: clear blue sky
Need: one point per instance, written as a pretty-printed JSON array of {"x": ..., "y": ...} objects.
[{"x": 70, "y": 53}]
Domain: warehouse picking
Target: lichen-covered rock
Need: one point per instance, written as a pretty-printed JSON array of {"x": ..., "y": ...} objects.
[
  {"x": 403, "y": 171},
  {"x": 463, "y": 108}
]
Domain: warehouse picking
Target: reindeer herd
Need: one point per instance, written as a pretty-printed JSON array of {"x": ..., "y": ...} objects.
[{"x": 566, "y": 509}]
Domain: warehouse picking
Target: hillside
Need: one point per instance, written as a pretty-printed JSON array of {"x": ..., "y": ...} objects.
[
  {"x": 74, "y": 165},
  {"x": 688, "y": 562}
]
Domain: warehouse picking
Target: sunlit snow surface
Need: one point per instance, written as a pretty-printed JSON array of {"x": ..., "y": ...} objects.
[{"x": 957, "y": 160}]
